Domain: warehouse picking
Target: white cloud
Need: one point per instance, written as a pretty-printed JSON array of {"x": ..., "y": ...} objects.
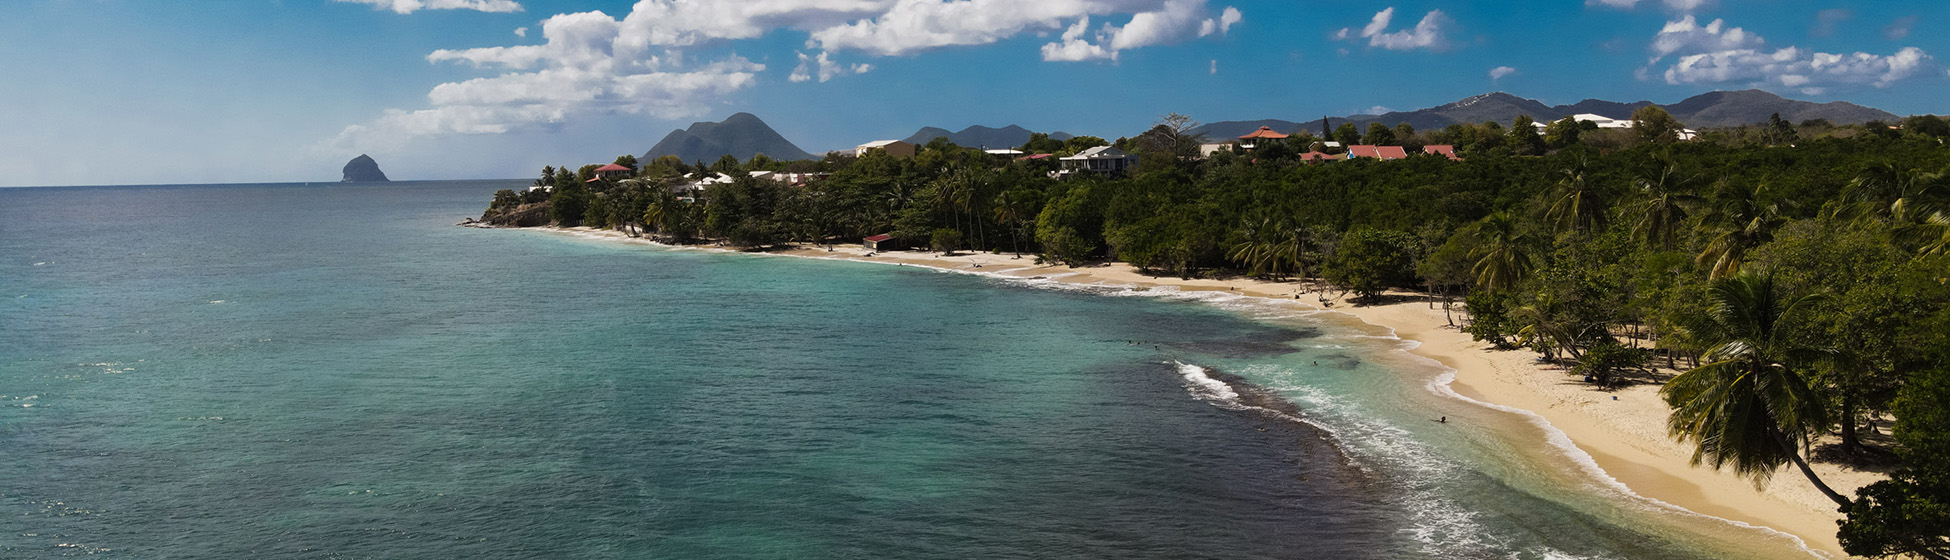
[
  {"x": 1377, "y": 110},
  {"x": 1716, "y": 54},
  {"x": 1427, "y": 34},
  {"x": 1686, "y": 35},
  {"x": 1215, "y": 67},
  {"x": 410, "y": 6},
  {"x": 521, "y": 32},
  {"x": 1899, "y": 29},
  {"x": 1174, "y": 21},
  {"x": 1681, "y": 6},
  {"x": 824, "y": 67},
  {"x": 1499, "y": 72},
  {"x": 1826, "y": 20},
  {"x": 584, "y": 69}
]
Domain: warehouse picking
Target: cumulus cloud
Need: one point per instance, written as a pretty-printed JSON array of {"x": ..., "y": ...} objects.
[
  {"x": 583, "y": 69},
  {"x": 1171, "y": 22},
  {"x": 824, "y": 68},
  {"x": 410, "y": 6},
  {"x": 1717, "y": 54},
  {"x": 521, "y": 32},
  {"x": 1427, "y": 34},
  {"x": 1682, "y": 6},
  {"x": 1499, "y": 72}
]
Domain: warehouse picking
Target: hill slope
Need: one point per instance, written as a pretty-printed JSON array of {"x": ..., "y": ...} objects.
[
  {"x": 981, "y": 136},
  {"x": 742, "y": 135},
  {"x": 1707, "y": 110}
]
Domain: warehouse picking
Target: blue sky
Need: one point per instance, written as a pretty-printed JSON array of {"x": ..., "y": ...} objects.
[{"x": 145, "y": 92}]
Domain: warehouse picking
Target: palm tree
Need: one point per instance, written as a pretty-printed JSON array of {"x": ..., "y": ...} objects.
[
  {"x": 1502, "y": 253},
  {"x": 1579, "y": 203},
  {"x": 1897, "y": 195},
  {"x": 1668, "y": 195},
  {"x": 1744, "y": 219},
  {"x": 1931, "y": 237},
  {"x": 1272, "y": 247},
  {"x": 1748, "y": 407}
]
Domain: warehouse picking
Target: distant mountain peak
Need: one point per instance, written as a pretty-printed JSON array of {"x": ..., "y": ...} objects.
[
  {"x": 979, "y": 136},
  {"x": 742, "y": 135}
]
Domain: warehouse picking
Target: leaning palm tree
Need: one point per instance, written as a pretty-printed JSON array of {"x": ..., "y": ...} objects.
[
  {"x": 1502, "y": 257},
  {"x": 1668, "y": 195},
  {"x": 1271, "y": 247},
  {"x": 1578, "y": 203},
  {"x": 1748, "y": 406},
  {"x": 1931, "y": 236},
  {"x": 1898, "y": 195}
]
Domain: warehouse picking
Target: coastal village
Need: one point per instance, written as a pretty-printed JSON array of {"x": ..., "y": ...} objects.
[{"x": 1559, "y": 267}]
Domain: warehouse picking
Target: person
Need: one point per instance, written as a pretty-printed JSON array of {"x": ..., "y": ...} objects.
[{"x": 1444, "y": 420}]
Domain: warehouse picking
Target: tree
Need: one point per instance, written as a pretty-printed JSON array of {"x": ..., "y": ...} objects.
[
  {"x": 1743, "y": 219},
  {"x": 1667, "y": 196},
  {"x": 945, "y": 240},
  {"x": 1379, "y": 135},
  {"x": 1910, "y": 512},
  {"x": 629, "y": 161},
  {"x": 1927, "y": 125},
  {"x": 1562, "y": 133},
  {"x": 1749, "y": 407},
  {"x": 1347, "y": 134},
  {"x": 1040, "y": 143},
  {"x": 1502, "y": 255},
  {"x": 1081, "y": 143},
  {"x": 1779, "y": 131},
  {"x": 1369, "y": 261},
  {"x": 1405, "y": 134},
  {"x": 567, "y": 203},
  {"x": 1652, "y": 125},
  {"x": 1579, "y": 203},
  {"x": 1523, "y": 137},
  {"x": 1270, "y": 247}
]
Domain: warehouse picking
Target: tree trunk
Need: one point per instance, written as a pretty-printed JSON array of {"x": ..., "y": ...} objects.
[
  {"x": 1795, "y": 455},
  {"x": 1850, "y": 443}
]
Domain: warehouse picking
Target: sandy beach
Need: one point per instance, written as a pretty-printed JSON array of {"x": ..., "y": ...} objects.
[{"x": 1623, "y": 431}]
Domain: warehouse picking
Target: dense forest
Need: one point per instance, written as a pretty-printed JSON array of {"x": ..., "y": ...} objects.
[{"x": 1795, "y": 276}]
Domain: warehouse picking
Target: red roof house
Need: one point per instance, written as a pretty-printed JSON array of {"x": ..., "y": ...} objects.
[
  {"x": 1443, "y": 150},
  {"x": 1263, "y": 132},
  {"x": 1378, "y": 152},
  {"x": 1311, "y": 157},
  {"x": 613, "y": 171}
]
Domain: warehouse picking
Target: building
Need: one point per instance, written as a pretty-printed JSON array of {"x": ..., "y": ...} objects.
[
  {"x": 1377, "y": 152},
  {"x": 1103, "y": 160},
  {"x": 1444, "y": 150},
  {"x": 1311, "y": 157},
  {"x": 1255, "y": 137},
  {"x": 882, "y": 242},
  {"x": 614, "y": 172},
  {"x": 1005, "y": 154},
  {"x": 1207, "y": 149},
  {"x": 1604, "y": 122},
  {"x": 894, "y": 148}
]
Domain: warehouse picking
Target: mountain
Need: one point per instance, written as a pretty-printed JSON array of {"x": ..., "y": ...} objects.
[
  {"x": 981, "y": 136},
  {"x": 742, "y": 135},
  {"x": 363, "y": 169},
  {"x": 1707, "y": 110}
]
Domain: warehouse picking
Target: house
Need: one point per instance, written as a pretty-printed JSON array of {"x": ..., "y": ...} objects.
[
  {"x": 1377, "y": 152},
  {"x": 1207, "y": 149},
  {"x": 882, "y": 242},
  {"x": 1311, "y": 157},
  {"x": 613, "y": 172},
  {"x": 1254, "y": 137},
  {"x": 1444, "y": 150},
  {"x": 1103, "y": 160},
  {"x": 1005, "y": 154},
  {"x": 1604, "y": 122},
  {"x": 894, "y": 148}
]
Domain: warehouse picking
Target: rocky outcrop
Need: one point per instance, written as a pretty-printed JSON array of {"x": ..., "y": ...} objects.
[{"x": 363, "y": 169}]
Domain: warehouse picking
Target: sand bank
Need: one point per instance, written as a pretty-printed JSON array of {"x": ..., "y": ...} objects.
[{"x": 1625, "y": 435}]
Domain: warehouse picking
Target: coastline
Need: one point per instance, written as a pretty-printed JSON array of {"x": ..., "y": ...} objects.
[{"x": 1622, "y": 432}]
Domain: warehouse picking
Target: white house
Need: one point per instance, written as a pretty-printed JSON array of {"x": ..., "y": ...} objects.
[
  {"x": 894, "y": 148},
  {"x": 1607, "y": 122},
  {"x": 1101, "y": 159}
]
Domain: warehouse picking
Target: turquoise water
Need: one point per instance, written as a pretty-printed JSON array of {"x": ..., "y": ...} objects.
[{"x": 337, "y": 371}]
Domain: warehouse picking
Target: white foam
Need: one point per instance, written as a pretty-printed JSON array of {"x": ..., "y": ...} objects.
[{"x": 1203, "y": 386}]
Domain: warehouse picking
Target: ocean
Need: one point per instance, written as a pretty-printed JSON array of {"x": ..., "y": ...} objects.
[{"x": 336, "y": 371}]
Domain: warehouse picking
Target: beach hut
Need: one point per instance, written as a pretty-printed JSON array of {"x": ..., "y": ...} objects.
[{"x": 882, "y": 242}]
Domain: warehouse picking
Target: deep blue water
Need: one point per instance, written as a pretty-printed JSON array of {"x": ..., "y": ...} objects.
[{"x": 336, "y": 371}]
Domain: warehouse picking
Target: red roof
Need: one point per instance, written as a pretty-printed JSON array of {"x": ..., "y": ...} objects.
[
  {"x": 880, "y": 238},
  {"x": 1444, "y": 150},
  {"x": 1380, "y": 152},
  {"x": 1319, "y": 156},
  {"x": 611, "y": 167},
  {"x": 1036, "y": 156},
  {"x": 1263, "y": 132},
  {"x": 593, "y": 179}
]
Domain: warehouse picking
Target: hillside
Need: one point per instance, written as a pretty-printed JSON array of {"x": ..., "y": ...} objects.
[
  {"x": 742, "y": 135},
  {"x": 1707, "y": 110},
  {"x": 981, "y": 136}
]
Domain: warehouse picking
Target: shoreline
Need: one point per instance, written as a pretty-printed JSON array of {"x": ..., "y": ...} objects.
[{"x": 1621, "y": 433}]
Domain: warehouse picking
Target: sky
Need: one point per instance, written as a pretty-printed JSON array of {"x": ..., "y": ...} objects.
[{"x": 102, "y": 92}]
